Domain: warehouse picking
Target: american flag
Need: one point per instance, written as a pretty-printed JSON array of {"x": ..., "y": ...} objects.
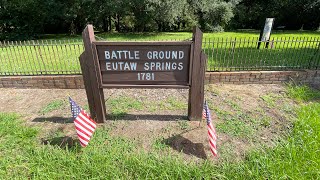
[
  {"x": 211, "y": 131},
  {"x": 75, "y": 109},
  {"x": 85, "y": 126}
]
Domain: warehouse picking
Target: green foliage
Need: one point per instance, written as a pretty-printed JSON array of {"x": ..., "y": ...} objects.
[
  {"x": 294, "y": 14},
  {"x": 54, "y": 105},
  {"x": 15, "y": 140},
  {"x": 295, "y": 158},
  {"x": 159, "y": 144},
  {"x": 217, "y": 15},
  {"x": 183, "y": 125},
  {"x": 269, "y": 99},
  {"x": 172, "y": 103},
  {"x": 235, "y": 127},
  {"x": 302, "y": 93},
  {"x": 120, "y": 106},
  {"x": 27, "y": 19}
]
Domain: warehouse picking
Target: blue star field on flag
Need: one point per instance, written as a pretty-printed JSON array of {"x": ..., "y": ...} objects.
[{"x": 75, "y": 109}]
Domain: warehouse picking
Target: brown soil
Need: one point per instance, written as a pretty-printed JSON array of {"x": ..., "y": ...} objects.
[{"x": 245, "y": 103}]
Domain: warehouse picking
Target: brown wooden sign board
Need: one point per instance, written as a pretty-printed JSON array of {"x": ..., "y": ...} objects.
[{"x": 142, "y": 65}]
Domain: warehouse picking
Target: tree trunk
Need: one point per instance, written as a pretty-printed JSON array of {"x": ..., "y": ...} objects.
[
  {"x": 118, "y": 23},
  {"x": 73, "y": 29},
  {"x": 105, "y": 25},
  {"x": 110, "y": 24},
  {"x": 159, "y": 26}
]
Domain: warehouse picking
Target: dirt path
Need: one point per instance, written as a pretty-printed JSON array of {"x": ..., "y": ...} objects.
[{"x": 245, "y": 116}]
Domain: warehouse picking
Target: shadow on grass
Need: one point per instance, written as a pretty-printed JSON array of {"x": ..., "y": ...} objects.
[
  {"x": 152, "y": 117},
  {"x": 182, "y": 144},
  {"x": 63, "y": 142},
  {"x": 61, "y": 120}
]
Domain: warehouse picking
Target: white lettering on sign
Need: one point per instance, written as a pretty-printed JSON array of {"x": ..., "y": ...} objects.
[
  {"x": 121, "y": 54},
  {"x": 145, "y": 76},
  {"x": 115, "y": 66},
  {"x": 165, "y": 55},
  {"x": 155, "y": 63},
  {"x": 162, "y": 66}
]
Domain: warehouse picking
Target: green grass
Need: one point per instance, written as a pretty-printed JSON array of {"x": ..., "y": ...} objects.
[
  {"x": 236, "y": 128},
  {"x": 302, "y": 93},
  {"x": 171, "y": 103},
  {"x": 294, "y": 158},
  {"x": 232, "y": 50},
  {"x": 54, "y": 105},
  {"x": 120, "y": 106},
  {"x": 23, "y": 156},
  {"x": 269, "y": 99},
  {"x": 105, "y": 158},
  {"x": 180, "y": 35}
]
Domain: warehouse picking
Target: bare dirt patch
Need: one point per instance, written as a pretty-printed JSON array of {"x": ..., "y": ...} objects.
[{"x": 245, "y": 116}]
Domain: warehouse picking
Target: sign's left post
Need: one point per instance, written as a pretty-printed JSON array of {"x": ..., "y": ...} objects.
[{"x": 92, "y": 77}]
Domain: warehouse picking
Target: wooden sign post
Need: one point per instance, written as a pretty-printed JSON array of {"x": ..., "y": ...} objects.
[{"x": 142, "y": 65}]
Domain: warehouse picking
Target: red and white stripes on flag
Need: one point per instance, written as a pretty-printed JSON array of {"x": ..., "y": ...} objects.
[
  {"x": 211, "y": 130},
  {"x": 85, "y": 127}
]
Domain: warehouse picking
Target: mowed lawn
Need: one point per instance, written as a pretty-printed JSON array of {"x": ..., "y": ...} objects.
[
  {"x": 59, "y": 54},
  {"x": 295, "y": 156}
]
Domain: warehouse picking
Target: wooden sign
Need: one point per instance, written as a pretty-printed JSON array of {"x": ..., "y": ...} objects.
[{"x": 142, "y": 65}]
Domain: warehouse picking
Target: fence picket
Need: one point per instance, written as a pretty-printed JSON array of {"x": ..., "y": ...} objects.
[
  {"x": 225, "y": 51},
  {"x": 17, "y": 54},
  {"x": 252, "y": 48},
  {"x": 309, "y": 51},
  {"x": 300, "y": 54},
  {"x": 317, "y": 54},
  {"x": 212, "y": 52},
  {"x": 242, "y": 54},
  {"x": 312, "y": 52},
  {"x": 292, "y": 51},
  {"x": 63, "y": 43},
  {"x": 2, "y": 71},
  {"x": 10, "y": 56},
  {"x": 217, "y": 52}
]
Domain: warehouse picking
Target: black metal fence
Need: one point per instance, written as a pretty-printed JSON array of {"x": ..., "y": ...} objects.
[
  {"x": 40, "y": 57},
  {"x": 224, "y": 54},
  {"x": 238, "y": 54}
]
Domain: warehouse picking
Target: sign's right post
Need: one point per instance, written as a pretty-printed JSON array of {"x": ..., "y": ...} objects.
[{"x": 198, "y": 69}]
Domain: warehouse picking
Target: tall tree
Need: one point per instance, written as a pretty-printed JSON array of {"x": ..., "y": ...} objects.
[
  {"x": 21, "y": 19},
  {"x": 166, "y": 12}
]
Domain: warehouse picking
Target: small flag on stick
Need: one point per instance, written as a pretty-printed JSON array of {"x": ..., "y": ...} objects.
[
  {"x": 85, "y": 126},
  {"x": 211, "y": 130}
]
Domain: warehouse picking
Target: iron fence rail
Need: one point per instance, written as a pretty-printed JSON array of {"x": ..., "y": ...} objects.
[{"x": 224, "y": 54}]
